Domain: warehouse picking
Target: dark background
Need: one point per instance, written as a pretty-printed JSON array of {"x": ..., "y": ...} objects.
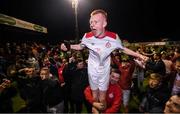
[{"x": 133, "y": 20}]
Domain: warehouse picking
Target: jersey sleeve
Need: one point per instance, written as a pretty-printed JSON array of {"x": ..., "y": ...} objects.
[
  {"x": 83, "y": 41},
  {"x": 119, "y": 43}
]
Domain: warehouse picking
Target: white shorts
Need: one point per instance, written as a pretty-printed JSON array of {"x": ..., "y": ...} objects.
[
  {"x": 126, "y": 96},
  {"x": 99, "y": 78}
]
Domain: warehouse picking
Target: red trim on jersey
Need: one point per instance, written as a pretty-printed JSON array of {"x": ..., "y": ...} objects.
[
  {"x": 111, "y": 34},
  {"x": 89, "y": 35}
]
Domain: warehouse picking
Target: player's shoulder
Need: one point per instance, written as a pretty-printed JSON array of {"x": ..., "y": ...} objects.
[
  {"x": 111, "y": 34},
  {"x": 89, "y": 35}
]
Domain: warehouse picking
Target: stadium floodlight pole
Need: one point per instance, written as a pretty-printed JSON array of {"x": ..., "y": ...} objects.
[{"x": 75, "y": 7}]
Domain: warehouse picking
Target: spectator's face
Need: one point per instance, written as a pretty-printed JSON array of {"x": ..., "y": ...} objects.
[
  {"x": 173, "y": 105},
  {"x": 43, "y": 74},
  {"x": 117, "y": 58},
  {"x": 55, "y": 57},
  {"x": 176, "y": 54},
  {"x": 98, "y": 24},
  {"x": 156, "y": 57},
  {"x": 163, "y": 56},
  {"x": 114, "y": 77},
  {"x": 177, "y": 66},
  {"x": 153, "y": 83},
  {"x": 29, "y": 71},
  {"x": 64, "y": 61},
  {"x": 80, "y": 65},
  {"x": 46, "y": 61},
  {"x": 125, "y": 64}
]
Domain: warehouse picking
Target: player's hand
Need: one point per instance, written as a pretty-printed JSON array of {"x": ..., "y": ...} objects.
[
  {"x": 71, "y": 59},
  {"x": 6, "y": 83},
  {"x": 99, "y": 106},
  {"x": 144, "y": 58},
  {"x": 63, "y": 47},
  {"x": 95, "y": 111},
  {"x": 63, "y": 84}
]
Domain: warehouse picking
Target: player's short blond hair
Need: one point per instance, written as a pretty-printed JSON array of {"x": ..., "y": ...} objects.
[{"x": 99, "y": 11}]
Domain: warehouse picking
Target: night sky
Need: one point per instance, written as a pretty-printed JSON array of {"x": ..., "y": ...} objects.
[{"x": 133, "y": 20}]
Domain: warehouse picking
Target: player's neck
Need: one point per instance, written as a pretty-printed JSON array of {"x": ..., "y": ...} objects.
[{"x": 102, "y": 35}]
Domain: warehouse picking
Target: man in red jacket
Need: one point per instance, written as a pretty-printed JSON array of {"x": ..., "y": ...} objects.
[
  {"x": 113, "y": 96},
  {"x": 126, "y": 68}
]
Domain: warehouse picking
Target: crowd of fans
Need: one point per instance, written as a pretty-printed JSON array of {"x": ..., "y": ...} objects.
[{"x": 51, "y": 80}]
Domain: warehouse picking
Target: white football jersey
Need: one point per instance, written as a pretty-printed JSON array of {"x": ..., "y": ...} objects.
[
  {"x": 101, "y": 48},
  {"x": 99, "y": 55}
]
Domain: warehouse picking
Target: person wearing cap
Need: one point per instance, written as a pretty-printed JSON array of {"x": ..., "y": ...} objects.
[{"x": 28, "y": 83}]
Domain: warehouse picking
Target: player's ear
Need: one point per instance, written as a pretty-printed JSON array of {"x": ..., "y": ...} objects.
[{"x": 104, "y": 24}]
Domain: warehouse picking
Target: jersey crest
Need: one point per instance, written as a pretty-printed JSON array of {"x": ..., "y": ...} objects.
[{"x": 108, "y": 45}]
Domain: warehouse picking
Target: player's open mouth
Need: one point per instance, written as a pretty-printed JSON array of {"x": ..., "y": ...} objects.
[{"x": 93, "y": 30}]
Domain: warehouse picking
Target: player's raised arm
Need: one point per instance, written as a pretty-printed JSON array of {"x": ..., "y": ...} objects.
[
  {"x": 77, "y": 46},
  {"x": 66, "y": 47},
  {"x": 132, "y": 53}
]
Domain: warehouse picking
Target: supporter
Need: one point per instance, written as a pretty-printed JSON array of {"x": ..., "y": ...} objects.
[
  {"x": 173, "y": 104},
  {"x": 52, "y": 94},
  {"x": 126, "y": 67},
  {"x": 156, "y": 65},
  {"x": 78, "y": 83},
  {"x": 155, "y": 96},
  {"x": 113, "y": 97},
  {"x": 175, "y": 78},
  {"x": 29, "y": 87}
]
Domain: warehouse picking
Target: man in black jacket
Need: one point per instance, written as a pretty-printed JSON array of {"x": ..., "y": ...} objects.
[
  {"x": 156, "y": 95},
  {"x": 52, "y": 94},
  {"x": 29, "y": 88},
  {"x": 79, "y": 81},
  {"x": 156, "y": 65}
]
